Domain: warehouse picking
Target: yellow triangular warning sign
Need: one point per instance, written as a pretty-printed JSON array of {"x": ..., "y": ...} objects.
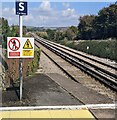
[{"x": 28, "y": 45}]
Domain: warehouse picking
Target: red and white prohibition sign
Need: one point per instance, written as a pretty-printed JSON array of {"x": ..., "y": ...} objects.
[{"x": 14, "y": 44}]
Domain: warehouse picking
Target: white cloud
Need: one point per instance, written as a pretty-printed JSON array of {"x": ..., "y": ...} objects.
[
  {"x": 28, "y": 17},
  {"x": 9, "y": 14},
  {"x": 69, "y": 12},
  {"x": 45, "y": 6},
  {"x": 13, "y": 10},
  {"x": 65, "y": 4},
  {"x": 6, "y": 10}
]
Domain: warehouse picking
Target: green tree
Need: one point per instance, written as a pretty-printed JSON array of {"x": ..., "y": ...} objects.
[
  {"x": 59, "y": 35},
  {"x": 102, "y": 26},
  {"x": 106, "y": 22},
  {"x": 71, "y": 33},
  {"x": 85, "y": 27},
  {"x": 5, "y": 31},
  {"x": 51, "y": 34}
]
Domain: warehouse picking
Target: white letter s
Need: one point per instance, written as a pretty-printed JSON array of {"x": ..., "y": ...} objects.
[{"x": 21, "y": 7}]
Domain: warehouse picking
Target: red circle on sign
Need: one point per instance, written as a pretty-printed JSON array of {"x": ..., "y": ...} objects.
[{"x": 13, "y": 41}]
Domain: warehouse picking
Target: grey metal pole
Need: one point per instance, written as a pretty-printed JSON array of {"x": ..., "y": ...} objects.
[{"x": 20, "y": 60}]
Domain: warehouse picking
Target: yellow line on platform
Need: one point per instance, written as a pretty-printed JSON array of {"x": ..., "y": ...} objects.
[{"x": 47, "y": 114}]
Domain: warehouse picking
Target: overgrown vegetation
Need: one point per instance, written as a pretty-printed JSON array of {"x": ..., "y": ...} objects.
[
  {"x": 34, "y": 63},
  {"x": 42, "y": 34},
  {"x": 101, "y": 48},
  {"x": 8, "y": 31},
  {"x": 4, "y": 30},
  {"x": 102, "y": 26}
]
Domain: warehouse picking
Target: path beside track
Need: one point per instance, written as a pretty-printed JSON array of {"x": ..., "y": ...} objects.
[{"x": 79, "y": 91}]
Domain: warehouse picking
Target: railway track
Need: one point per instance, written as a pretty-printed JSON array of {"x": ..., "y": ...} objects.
[
  {"x": 114, "y": 67},
  {"x": 104, "y": 72}
]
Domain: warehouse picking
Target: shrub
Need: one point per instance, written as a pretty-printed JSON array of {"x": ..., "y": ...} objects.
[
  {"x": 105, "y": 49},
  {"x": 34, "y": 63},
  {"x": 100, "y": 48}
]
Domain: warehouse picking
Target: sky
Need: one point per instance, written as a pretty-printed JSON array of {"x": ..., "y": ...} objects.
[{"x": 52, "y": 14}]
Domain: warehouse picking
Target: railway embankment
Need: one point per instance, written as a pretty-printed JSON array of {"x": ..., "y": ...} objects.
[
  {"x": 11, "y": 67},
  {"x": 100, "y": 48}
]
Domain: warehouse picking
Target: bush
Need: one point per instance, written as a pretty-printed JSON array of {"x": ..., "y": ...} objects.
[
  {"x": 105, "y": 49},
  {"x": 100, "y": 48},
  {"x": 34, "y": 64}
]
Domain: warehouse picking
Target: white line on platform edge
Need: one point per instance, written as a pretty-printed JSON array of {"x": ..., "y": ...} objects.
[{"x": 74, "y": 107}]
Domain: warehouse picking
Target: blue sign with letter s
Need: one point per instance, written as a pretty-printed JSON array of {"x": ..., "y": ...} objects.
[{"x": 21, "y": 8}]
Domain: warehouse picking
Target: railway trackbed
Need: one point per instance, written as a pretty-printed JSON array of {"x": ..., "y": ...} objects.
[{"x": 101, "y": 71}]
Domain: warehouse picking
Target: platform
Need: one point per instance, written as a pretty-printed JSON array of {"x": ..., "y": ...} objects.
[{"x": 47, "y": 114}]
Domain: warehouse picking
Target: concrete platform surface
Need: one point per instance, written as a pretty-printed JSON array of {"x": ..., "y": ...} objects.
[{"x": 39, "y": 90}]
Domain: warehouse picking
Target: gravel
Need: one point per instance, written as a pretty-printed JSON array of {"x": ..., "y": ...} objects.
[{"x": 47, "y": 66}]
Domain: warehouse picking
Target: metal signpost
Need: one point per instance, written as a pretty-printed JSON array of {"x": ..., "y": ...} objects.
[
  {"x": 21, "y": 9},
  {"x": 20, "y": 47}
]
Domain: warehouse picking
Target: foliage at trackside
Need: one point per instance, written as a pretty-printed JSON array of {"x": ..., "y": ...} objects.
[
  {"x": 4, "y": 30},
  {"x": 102, "y": 26},
  {"x": 8, "y": 31},
  {"x": 34, "y": 63},
  {"x": 69, "y": 33},
  {"x": 42, "y": 34},
  {"x": 101, "y": 48}
]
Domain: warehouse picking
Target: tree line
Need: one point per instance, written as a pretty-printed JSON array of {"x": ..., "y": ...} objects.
[{"x": 101, "y": 26}]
